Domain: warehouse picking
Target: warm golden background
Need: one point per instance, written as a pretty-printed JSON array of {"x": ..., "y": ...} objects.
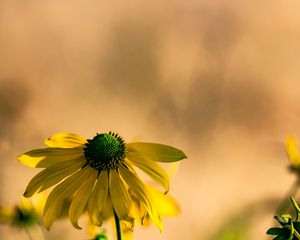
[{"x": 218, "y": 79}]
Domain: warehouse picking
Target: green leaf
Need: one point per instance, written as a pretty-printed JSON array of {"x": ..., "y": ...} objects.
[
  {"x": 280, "y": 238},
  {"x": 274, "y": 231}
]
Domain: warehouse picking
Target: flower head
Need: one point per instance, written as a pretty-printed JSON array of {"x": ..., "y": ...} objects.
[
  {"x": 24, "y": 215},
  {"x": 94, "y": 173}
]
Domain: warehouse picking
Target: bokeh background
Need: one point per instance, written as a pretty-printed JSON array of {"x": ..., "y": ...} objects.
[{"x": 218, "y": 79}]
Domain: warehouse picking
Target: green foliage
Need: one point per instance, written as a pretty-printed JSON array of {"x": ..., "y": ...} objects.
[{"x": 290, "y": 228}]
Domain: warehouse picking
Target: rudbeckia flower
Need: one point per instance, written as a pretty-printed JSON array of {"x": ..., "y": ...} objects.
[
  {"x": 22, "y": 215},
  {"x": 26, "y": 215},
  {"x": 88, "y": 172}
]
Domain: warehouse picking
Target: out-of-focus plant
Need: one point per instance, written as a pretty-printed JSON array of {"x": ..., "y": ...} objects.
[
  {"x": 291, "y": 146},
  {"x": 27, "y": 215},
  {"x": 290, "y": 229},
  {"x": 100, "y": 236}
]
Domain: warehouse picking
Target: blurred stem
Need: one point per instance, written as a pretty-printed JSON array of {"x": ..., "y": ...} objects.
[
  {"x": 35, "y": 233},
  {"x": 285, "y": 203},
  {"x": 118, "y": 226},
  {"x": 28, "y": 233}
]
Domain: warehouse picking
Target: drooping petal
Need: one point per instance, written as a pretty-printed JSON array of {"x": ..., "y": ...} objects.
[
  {"x": 45, "y": 157},
  {"x": 61, "y": 193},
  {"x": 154, "y": 151},
  {"x": 165, "y": 204},
  {"x": 126, "y": 227},
  {"x": 141, "y": 192},
  {"x": 151, "y": 168},
  {"x": 119, "y": 195},
  {"x": 81, "y": 197},
  {"x": 97, "y": 200},
  {"x": 53, "y": 175},
  {"x": 107, "y": 211},
  {"x": 65, "y": 140},
  {"x": 127, "y": 235}
]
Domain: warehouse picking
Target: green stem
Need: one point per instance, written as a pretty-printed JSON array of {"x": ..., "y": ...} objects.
[
  {"x": 293, "y": 232},
  {"x": 297, "y": 234},
  {"x": 118, "y": 226}
]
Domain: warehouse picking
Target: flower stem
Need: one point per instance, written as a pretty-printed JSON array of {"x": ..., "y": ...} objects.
[
  {"x": 35, "y": 233},
  {"x": 28, "y": 233},
  {"x": 118, "y": 226}
]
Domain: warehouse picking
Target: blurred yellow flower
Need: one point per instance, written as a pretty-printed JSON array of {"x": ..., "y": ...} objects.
[
  {"x": 27, "y": 215},
  {"x": 291, "y": 146},
  {"x": 18, "y": 216},
  {"x": 96, "y": 171}
]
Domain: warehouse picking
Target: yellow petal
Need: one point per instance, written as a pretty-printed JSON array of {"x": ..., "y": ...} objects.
[
  {"x": 65, "y": 140},
  {"x": 97, "y": 200},
  {"x": 45, "y": 157},
  {"x": 6, "y": 214},
  {"x": 108, "y": 209},
  {"x": 60, "y": 193},
  {"x": 53, "y": 175},
  {"x": 26, "y": 203},
  {"x": 91, "y": 228},
  {"x": 292, "y": 151},
  {"x": 81, "y": 197},
  {"x": 156, "y": 172},
  {"x": 119, "y": 195},
  {"x": 141, "y": 192},
  {"x": 154, "y": 151},
  {"x": 172, "y": 169},
  {"x": 38, "y": 202},
  {"x": 127, "y": 235},
  {"x": 165, "y": 204},
  {"x": 127, "y": 230}
]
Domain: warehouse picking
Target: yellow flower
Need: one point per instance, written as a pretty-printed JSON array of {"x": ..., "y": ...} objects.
[
  {"x": 90, "y": 172},
  {"x": 24, "y": 215},
  {"x": 291, "y": 146}
]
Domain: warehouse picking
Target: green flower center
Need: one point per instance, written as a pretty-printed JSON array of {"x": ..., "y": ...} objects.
[
  {"x": 105, "y": 151},
  {"x": 24, "y": 218}
]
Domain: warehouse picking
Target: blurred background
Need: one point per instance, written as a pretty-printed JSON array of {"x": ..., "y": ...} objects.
[{"x": 217, "y": 79}]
